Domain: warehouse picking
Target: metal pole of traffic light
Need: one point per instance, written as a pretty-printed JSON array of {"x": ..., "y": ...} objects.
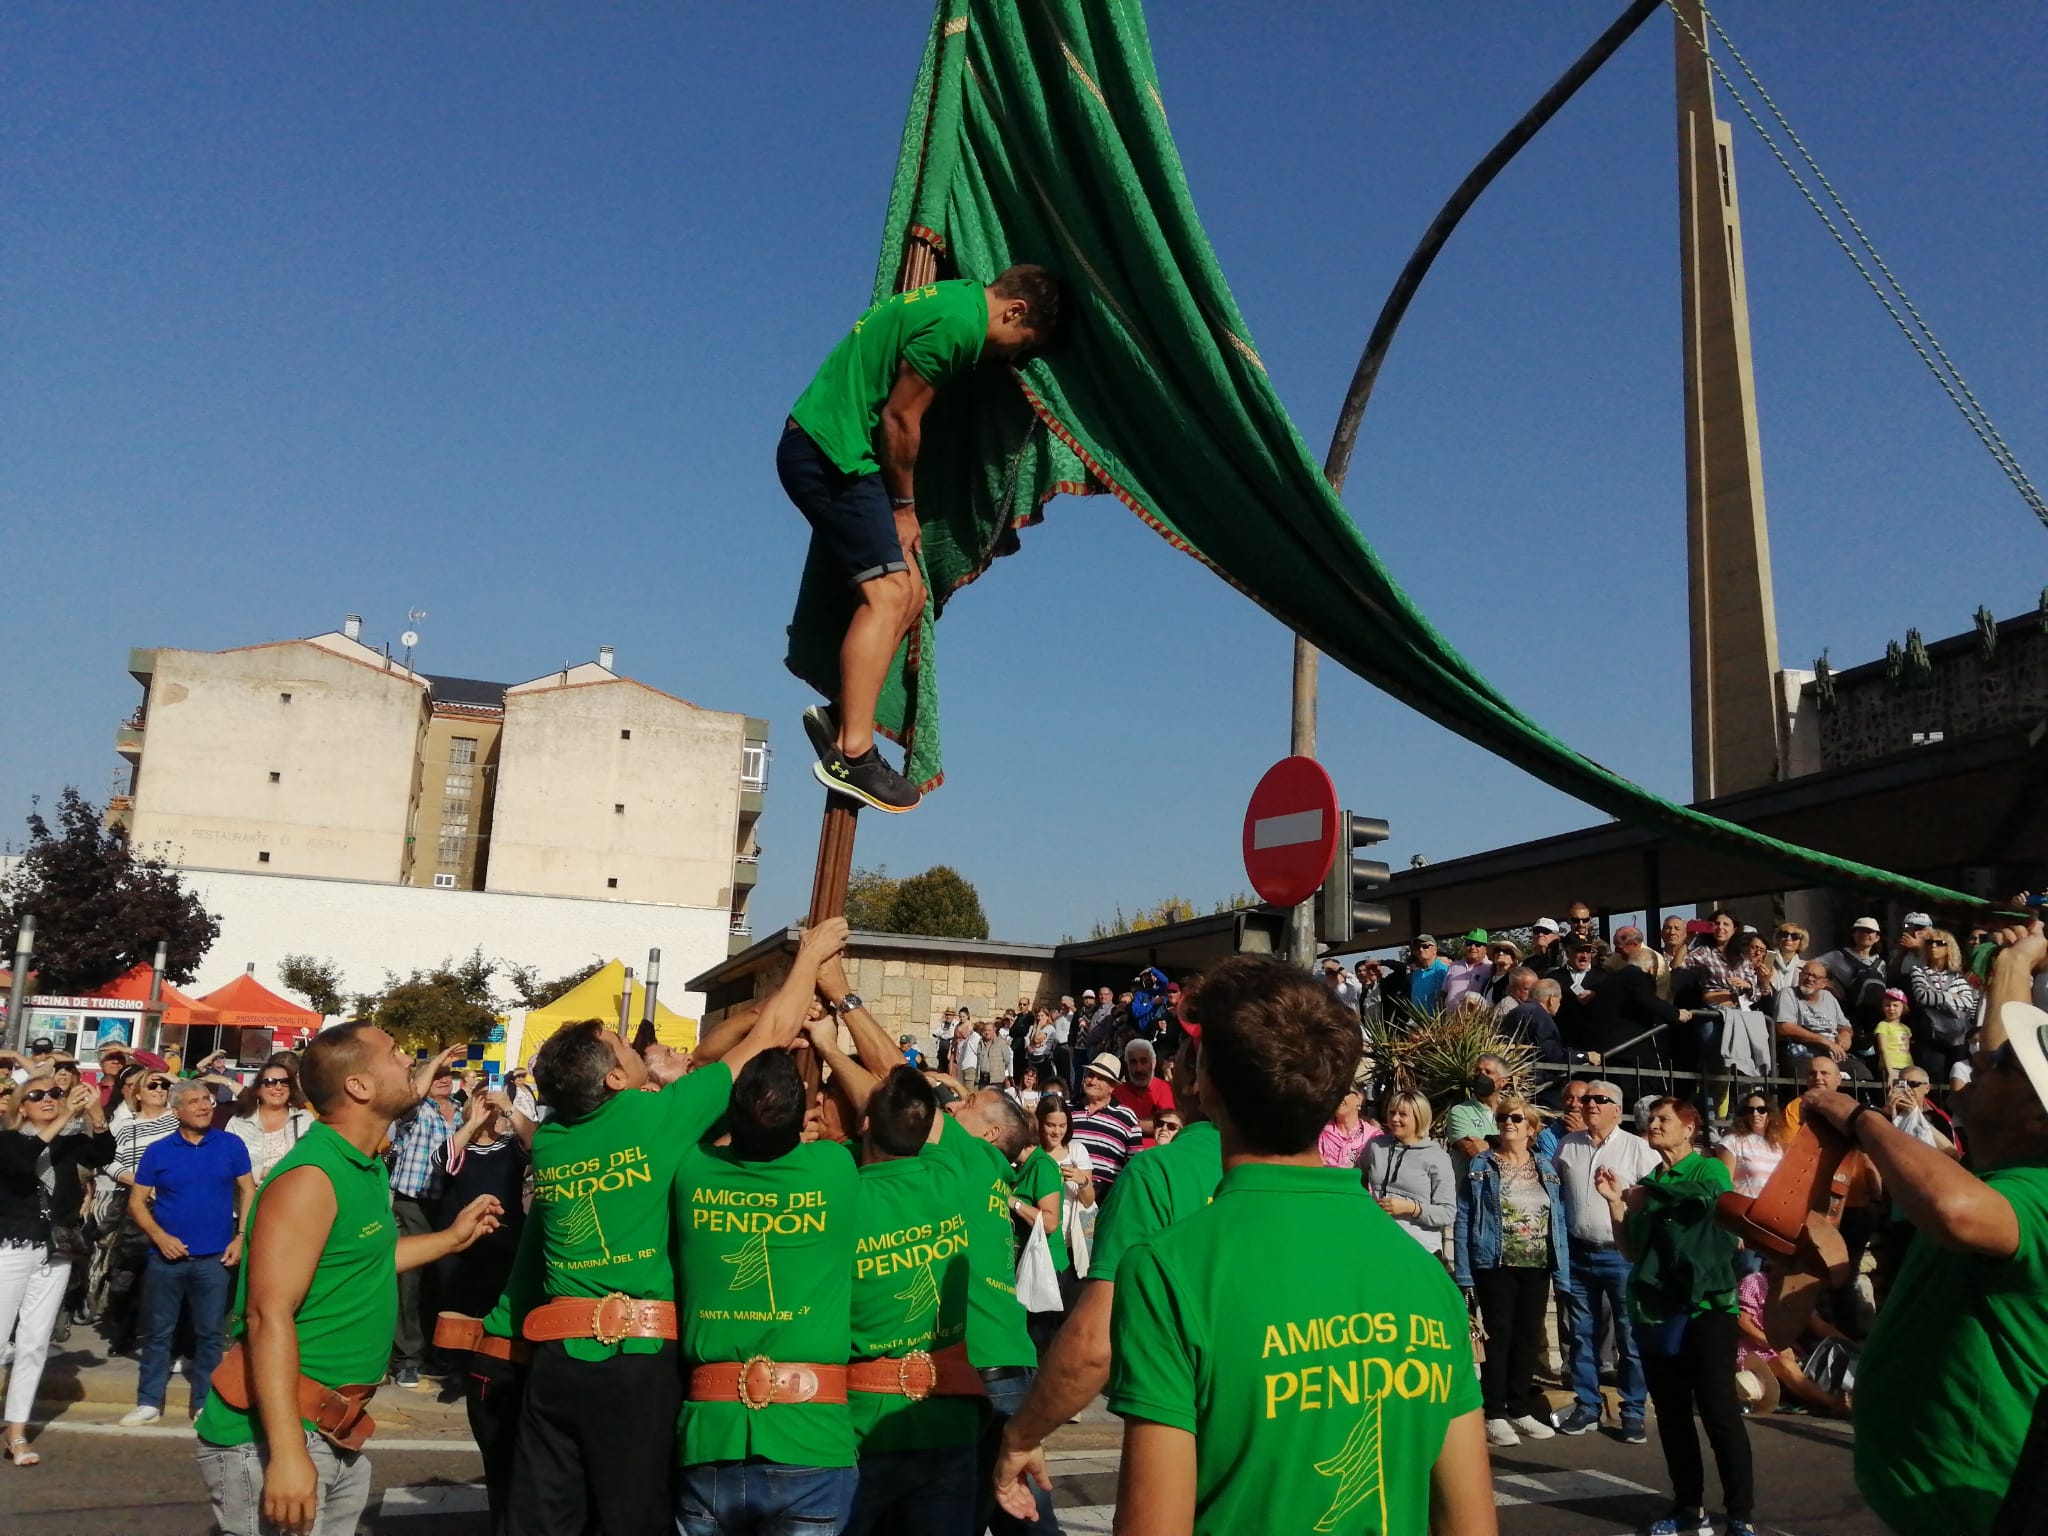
[{"x": 17, "y": 985}]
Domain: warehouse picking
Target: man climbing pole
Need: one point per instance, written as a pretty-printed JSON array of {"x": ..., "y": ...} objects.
[{"x": 848, "y": 459}]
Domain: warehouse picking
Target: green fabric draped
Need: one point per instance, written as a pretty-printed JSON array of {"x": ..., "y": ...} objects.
[{"x": 1037, "y": 133}]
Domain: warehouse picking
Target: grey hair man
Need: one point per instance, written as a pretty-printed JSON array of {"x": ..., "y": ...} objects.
[{"x": 1599, "y": 1273}]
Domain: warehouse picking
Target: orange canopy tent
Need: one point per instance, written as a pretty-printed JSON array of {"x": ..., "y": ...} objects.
[
  {"x": 245, "y": 1003},
  {"x": 177, "y": 1007}
]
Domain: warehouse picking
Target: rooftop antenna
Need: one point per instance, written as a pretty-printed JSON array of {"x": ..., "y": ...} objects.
[{"x": 411, "y": 637}]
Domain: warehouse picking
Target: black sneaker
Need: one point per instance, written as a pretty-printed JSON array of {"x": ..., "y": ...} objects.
[
  {"x": 867, "y": 779},
  {"x": 823, "y": 729}
]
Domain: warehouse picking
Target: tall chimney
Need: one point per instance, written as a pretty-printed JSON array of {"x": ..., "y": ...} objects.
[
  {"x": 352, "y": 626},
  {"x": 605, "y": 657}
]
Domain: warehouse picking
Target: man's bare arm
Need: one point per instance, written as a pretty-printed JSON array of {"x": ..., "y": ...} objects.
[
  {"x": 726, "y": 1033},
  {"x": 296, "y": 1215},
  {"x": 871, "y": 1043},
  {"x": 2024, "y": 953},
  {"x": 902, "y": 430},
  {"x": 1951, "y": 1207},
  {"x": 1075, "y": 1369},
  {"x": 849, "y": 1077},
  {"x": 782, "y": 1016},
  {"x": 1155, "y": 1490},
  {"x": 1461, "y": 1482}
]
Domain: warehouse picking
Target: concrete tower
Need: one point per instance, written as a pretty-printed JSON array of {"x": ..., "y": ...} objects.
[{"x": 1736, "y": 719}]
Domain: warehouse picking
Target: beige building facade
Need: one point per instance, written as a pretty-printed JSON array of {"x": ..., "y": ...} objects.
[{"x": 325, "y": 759}]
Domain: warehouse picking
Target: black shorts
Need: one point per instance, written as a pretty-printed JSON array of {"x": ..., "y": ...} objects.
[{"x": 849, "y": 513}]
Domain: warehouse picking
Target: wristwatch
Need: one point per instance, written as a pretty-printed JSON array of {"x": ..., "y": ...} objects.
[{"x": 848, "y": 1003}]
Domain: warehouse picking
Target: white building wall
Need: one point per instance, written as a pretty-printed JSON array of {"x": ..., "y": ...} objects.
[
  {"x": 369, "y": 928},
  {"x": 604, "y": 779},
  {"x": 345, "y": 750}
]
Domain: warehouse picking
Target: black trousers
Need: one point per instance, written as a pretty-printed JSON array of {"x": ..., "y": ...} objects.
[
  {"x": 1700, "y": 1378},
  {"x": 493, "y": 1391},
  {"x": 1511, "y": 1304},
  {"x": 597, "y": 1445}
]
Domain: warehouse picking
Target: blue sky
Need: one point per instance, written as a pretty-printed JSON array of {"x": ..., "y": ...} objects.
[{"x": 497, "y": 311}]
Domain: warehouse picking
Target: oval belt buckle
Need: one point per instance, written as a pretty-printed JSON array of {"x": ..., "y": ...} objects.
[
  {"x": 767, "y": 1366},
  {"x": 603, "y": 1334},
  {"x": 923, "y": 1389}
]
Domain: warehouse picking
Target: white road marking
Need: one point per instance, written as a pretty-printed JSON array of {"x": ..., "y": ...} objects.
[
  {"x": 185, "y": 1432},
  {"x": 435, "y": 1499},
  {"x": 1286, "y": 831},
  {"x": 1512, "y": 1488}
]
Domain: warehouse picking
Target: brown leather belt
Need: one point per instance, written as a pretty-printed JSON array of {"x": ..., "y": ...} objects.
[
  {"x": 336, "y": 1413},
  {"x": 918, "y": 1375},
  {"x": 760, "y": 1381},
  {"x": 607, "y": 1319},
  {"x": 454, "y": 1330}
]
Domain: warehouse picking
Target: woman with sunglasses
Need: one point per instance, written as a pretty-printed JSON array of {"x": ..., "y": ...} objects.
[
  {"x": 270, "y": 1115},
  {"x": 1752, "y": 1150},
  {"x": 42, "y": 1190},
  {"x": 139, "y": 1124},
  {"x": 1945, "y": 1004},
  {"x": 1511, "y": 1253}
]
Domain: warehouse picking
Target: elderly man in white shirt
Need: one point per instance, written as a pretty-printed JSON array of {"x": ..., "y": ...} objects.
[{"x": 1599, "y": 1277}]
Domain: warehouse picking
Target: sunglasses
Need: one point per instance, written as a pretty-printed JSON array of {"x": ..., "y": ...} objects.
[
  {"x": 37, "y": 1095},
  {"x": 1937, "y": 943},
  {"x": 1599, "y": 1098},
  {"x": 158, "y": 1082},
  {"x": 1756, "y": 1109},
  {"x": 1510, "y": 1119},
  {"x": 1917, "y": 1082},
  {"x": 273, "y": 1082}
]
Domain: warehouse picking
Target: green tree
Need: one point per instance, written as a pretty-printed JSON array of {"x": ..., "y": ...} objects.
[
  {"x": 940, "y": 903},
  {"x": 319, "y": 982},
  {"x": 431, "y": 1010},
  {"x": 870, "y": 898},
  {"x": 100, "y": 910},
  {"x": 529, "y": 991}
]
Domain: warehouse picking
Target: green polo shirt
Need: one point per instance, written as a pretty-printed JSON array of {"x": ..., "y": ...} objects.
[
  {"x": 767, "y": 1254},
  {"x": 937, "y": 329},
  {"x": 1038, "y": 1176},
  {"x": 345, "y": 1323},
  {"x": 910, "y": 1278},
  {"x": 601, "y": 1190},
  {"x": 997, "y": 1335},
  {"x": 1156, "y": 1189},
  {"x": 1313, "y": 1349}
]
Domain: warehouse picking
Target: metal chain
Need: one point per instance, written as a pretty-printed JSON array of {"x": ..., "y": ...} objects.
[{"x": 1950, "y": 380}]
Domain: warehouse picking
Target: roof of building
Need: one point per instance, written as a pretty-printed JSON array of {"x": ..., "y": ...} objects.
[{"x": 473, "y": 691}]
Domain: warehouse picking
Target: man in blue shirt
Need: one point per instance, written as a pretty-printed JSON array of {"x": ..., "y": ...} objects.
[
  {"x": 192, "y": 1195},
  {"x": 1427, "y": 973}
]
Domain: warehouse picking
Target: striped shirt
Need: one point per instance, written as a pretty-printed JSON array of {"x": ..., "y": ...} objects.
[
  {"x": 1112, "y": 1135},
  {"x": 415, "y": 1139},
  {"x": 134, "y": 1137}
]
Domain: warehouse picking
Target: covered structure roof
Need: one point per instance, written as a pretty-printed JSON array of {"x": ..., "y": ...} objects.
[
  {"x": 599, "y": 997},
  {"x": 245, "y": 1003}
]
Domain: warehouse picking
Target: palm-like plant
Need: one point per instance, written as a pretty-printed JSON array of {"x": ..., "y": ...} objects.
[{"x": 1437, "y": 1054}]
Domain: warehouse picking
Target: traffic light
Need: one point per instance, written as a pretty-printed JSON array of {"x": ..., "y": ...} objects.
[{"x": 1340, "y": 915}]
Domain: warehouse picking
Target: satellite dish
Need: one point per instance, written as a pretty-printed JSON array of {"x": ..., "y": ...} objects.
[{"x": 409, "y": 639}]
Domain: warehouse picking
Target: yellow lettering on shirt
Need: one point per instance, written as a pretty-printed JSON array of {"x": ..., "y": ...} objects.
[
  {"x": 781, "y": 1223},
  {"x": 892, "y": 1252},
  {"x": 558, "y": 1190},
  {"x": 1359, "y": 1377}
]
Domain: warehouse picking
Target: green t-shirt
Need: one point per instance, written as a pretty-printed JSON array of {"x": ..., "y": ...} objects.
[
  {"x": 346, "y": 1321},
  {"x": 1470, "y": 1118},
  {"x": 910, "y": 1275},
  {"x": 1694, "y": 1167},
  {"x": 997, "y": 1335},
  {"x": 1157, "y": 1189},
  {"x": 1312, "y": 1348},
  {"x": 937, "y": 329},
  {"x": 600, "y": 1217},
  {"x": 1947, "y": 1385},
  {"x": 1038, "y": 1176},
  {"x": 767, "y": 1254}
]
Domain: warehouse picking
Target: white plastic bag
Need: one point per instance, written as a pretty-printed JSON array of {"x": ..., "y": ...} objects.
[
  {"x": 1076, "y": 1231},
  {"x": 1914, "y": 1124},
  {"x": 1038, "y": 1283}
]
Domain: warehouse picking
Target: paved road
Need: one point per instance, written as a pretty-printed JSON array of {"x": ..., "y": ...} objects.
[{"x": 101, "y": 1480}]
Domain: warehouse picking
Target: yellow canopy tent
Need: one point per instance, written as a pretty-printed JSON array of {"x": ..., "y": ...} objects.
[{"x": 598, "y": 998}]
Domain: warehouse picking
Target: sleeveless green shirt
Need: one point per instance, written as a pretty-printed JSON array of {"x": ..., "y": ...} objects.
[{"x": 346, "y": 1322}]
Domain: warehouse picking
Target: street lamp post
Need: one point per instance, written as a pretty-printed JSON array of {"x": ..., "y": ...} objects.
[
  {"x": 24, "y": 950},
  {"x": 152, "y": 1031}
]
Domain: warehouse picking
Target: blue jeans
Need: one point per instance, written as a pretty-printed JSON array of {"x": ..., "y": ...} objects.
[
  {"x": 1005, "y": 1397},
  {"x": 763, "y": 1498},
  {"x": 915, "y": 1493},
  {"x": 1599, "y": 1293},
  {"x": 200, "y": 1282}
]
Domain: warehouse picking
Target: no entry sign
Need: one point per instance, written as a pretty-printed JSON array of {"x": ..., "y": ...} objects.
[{"x": 1290, "y": 831}]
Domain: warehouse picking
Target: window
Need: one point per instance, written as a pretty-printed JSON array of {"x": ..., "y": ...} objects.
[
  {"x": 276, "y": 778},
  {"x": 625, "y": 735},
  {"x": 618, "y": 810},
  {"x": 753, "y": 766},
  {"x": 263, "y": 857},
  {"x": 462, "y": 750},
  {"x": 612, "y": 884},
  {"x": 444, "y": 882},
  {"x": 284, "y": 698}
]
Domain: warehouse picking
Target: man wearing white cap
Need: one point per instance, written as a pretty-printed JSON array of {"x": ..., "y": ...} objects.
[
  {"x": 1546, "y": 956},
  {"x": 1948, "y": 1385},
  {"x": 1910, "y": 955},
  {"x": 1856, "y": 974},
  {"x": 1108, "y": 1130}
]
